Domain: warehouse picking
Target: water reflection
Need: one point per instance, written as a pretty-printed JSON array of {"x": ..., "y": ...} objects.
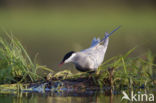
[
  {"x": 64, "y": 97},
  {"x": 104, "y": 96}
]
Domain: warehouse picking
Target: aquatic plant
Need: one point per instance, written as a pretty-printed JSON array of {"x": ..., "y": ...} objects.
[{"x": 15, "y": 63}]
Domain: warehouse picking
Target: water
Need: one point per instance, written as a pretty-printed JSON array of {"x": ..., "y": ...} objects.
[
  {"x": 80, "y": 96},
  {"x": 92, "y": 97}
]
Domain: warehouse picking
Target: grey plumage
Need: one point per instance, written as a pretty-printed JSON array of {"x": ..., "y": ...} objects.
[{"x": 91, "y": 58}]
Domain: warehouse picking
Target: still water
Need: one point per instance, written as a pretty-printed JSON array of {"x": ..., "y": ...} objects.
[
  {"x": 104, "y": 96},
  {"x": 92, "y": 97}
]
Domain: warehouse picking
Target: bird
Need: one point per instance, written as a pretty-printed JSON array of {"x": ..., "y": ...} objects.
[{"x": 89, "y": 60}]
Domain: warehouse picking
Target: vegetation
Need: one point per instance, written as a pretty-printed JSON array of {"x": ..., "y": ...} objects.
[
  {"x": 120, "y": 71},
  {"x": 129, "y": 71},
  {"x": 15, "y": 63}
]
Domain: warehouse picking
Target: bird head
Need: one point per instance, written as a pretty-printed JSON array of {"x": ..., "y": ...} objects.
[{"x": 67, "y": 58}]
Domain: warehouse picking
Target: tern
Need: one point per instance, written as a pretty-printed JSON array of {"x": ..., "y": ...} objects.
[{"x": 88, "y": 60}]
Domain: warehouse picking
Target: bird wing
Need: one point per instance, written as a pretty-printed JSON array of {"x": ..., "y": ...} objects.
[
  {"x": 99, "y": 45},
  {"x": 95, "y": 41},
  {"x": 98, "y": 41},
  {"x": 98, "y": 49}
]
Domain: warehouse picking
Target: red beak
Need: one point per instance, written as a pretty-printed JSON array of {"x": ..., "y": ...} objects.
[{"x": 61, "y": 64}]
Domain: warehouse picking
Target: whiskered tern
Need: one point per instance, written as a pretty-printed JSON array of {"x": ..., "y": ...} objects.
[{"x": 88, "y": 60}]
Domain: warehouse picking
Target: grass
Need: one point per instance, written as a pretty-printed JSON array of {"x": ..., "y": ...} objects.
[
  {"x": 119, "y": 71},
  {"x": 131, "y": 71},
  {"x": 15, "y": 63}
]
